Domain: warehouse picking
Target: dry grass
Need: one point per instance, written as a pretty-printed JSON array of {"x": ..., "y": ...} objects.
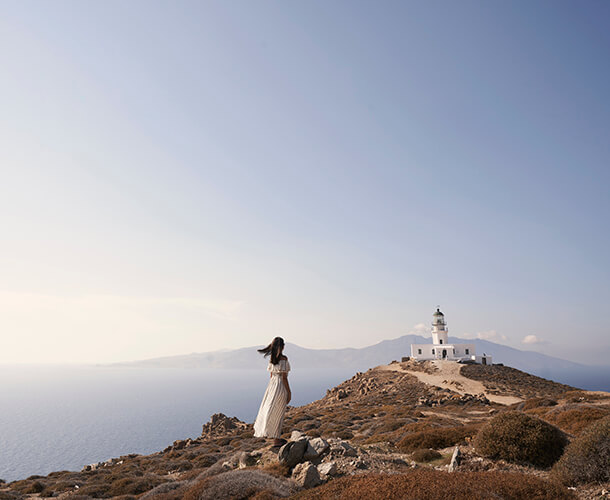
[
  {"x": 510, "y": 381},
  {"x": 425, "y": 455},
  {"x": 429, "y": 484},
  {"x": 572, "y": 419},
  {"x": 437, "y": 437}
]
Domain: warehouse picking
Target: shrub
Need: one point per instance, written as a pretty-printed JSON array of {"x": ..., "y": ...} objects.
[
  {"x": 532, "y": 403},
  {"x": 425, "y": 455},
  {"x": 430, "y": 484},
  {"x": 439, "y": 437},
  {"x": 517, "y": 437},
  {"x": 239, "y": 484},
  {"x": 587, "y": 458},
  {"x": 133, "y": 485},
  {"x": 574, "y": 420}
]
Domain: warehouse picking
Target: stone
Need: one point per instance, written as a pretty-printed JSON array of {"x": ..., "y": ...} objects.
[
  {"x": 316, "y": 448},
  {"x": 327, "y": 469},
  {"x": 345, "y": 449},
  {"x": 456, "y": 458},
  {"x": 296, "y": 435},
  {"x": 247, "y": 459},
  {"x": 292, "y": 452},
  {"x": 220, "y": 425},
  {"x": 306, "y": 475}
]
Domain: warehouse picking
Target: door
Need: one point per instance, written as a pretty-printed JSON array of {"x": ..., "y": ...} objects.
[{"x": 444, "y": 353}]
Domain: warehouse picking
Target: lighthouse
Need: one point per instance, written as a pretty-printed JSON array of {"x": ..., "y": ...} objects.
[
  {"x": 440, "y": 334},
  {"x": 440, "y": 348}
]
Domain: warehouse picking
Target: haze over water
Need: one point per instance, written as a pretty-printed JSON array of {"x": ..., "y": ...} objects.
[{"x": 64, "y": 417}]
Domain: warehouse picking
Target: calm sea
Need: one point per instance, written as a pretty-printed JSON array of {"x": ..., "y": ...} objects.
[{"x": 61, "y": 418}]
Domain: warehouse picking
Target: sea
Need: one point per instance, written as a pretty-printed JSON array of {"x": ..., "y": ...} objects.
[{"x": 64, "y": 417}]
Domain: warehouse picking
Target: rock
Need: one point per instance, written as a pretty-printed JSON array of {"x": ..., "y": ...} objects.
[
  {"x": 316, "y": 448},
  {"x": 327, "y": 469},
  {"x": 345, "y": 449},
  {"x": 292, "y": 452},
  {"x": 220, "y": 425},
  {"x": 456, "y": 458},
  {"x": 296, "y": 435},
  {"x": 306, "y": 475},
  {"x": 247, "y": 459}
]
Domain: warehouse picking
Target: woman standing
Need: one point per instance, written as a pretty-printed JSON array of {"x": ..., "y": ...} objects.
[{"x": 271, "y": 413}]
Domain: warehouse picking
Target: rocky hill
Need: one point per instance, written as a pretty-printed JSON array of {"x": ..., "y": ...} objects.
[{"x": 403, "y": 430}]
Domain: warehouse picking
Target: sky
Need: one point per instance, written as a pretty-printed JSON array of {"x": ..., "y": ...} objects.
[{"x": 183, "y": 176}]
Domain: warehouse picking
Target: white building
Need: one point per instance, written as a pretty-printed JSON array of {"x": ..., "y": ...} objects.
[{"x": 442, "y": 349}]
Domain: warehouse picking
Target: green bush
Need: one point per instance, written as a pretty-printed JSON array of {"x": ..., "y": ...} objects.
[
  {"x": 520, "y": 438},
  {"x": 587, "y": 458}
]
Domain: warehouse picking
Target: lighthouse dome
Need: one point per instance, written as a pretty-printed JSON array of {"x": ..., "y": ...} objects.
[{"x": 438, "y": 312}]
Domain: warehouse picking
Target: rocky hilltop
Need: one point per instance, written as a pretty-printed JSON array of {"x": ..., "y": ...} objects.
[{"x": 421, "y": 430}]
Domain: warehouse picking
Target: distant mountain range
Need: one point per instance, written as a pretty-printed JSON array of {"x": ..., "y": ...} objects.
[{"x": 560, "y": 370}]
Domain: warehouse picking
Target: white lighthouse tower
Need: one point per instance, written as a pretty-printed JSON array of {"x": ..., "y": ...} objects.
[
  {"x": 440, "y": 333},
  {"x": 440, "y": 348}
]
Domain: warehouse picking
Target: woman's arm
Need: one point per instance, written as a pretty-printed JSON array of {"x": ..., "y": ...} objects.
[{"x": 287, "y": 386}]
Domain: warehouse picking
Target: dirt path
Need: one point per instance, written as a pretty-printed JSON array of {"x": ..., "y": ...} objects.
[{"x": 448, "y": 377}]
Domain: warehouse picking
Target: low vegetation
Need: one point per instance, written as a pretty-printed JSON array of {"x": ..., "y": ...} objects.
[
  {"x": 509, "y": 381},
  {"x": 520, "y": 438},
  {"x": 425, "y": 455},
  {"x": 437, "y": 437},
  {"x": 430, "y": 484},
  {"x": 587, "y": 458}
]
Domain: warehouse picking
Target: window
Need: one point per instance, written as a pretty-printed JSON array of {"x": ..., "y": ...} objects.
[
  {"x": 432, "y": 351},
  {"x": 419, "y": 351},
  {"x": 467, "y": 351},
  {"x": 454, "y": 352},
  {"x": 441, "y": 341}
]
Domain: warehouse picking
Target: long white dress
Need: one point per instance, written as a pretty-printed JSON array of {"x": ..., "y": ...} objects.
[{"x": 273, "y": 407}]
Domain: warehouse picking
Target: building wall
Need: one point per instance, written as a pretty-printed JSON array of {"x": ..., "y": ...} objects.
[{"x": 434, "y": 351}]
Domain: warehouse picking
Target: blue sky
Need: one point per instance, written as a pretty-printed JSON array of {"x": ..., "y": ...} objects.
[{"x": 189, "y": 176}]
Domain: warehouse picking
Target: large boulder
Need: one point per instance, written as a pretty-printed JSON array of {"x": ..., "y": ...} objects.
[
  {"x": 316, "y": 448},
  {"x": 306, "y": 475},
  {"x": 292, "y": 452}
]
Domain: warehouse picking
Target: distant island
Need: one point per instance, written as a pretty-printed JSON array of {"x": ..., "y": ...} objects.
[{"x": 542, "y": 365}]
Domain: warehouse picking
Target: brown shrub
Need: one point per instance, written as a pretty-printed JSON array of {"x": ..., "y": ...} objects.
[
  {"x": 277, "y": 469},
  {"x": 578, "y": 396},
  {"x": 430, "y": 484},
  {"x": 587, "y": 458},
  {"x": 133, "y": 485},
  {"x": 345, "y": 434},
  {"x": 532, "y": 403},
  {"x": 425, "y": 455},
  {"x": 517, "y": 437},
  {"x": 239, "y": 484},
  {"x": 574, "y": 420},
  {"x": 437, "y": 437}
]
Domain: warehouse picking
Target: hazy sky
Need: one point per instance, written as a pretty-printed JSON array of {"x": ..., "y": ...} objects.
[{"x": 190, "y": 176}]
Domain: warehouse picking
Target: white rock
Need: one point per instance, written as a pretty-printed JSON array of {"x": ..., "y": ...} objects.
[
  {"x": 296, "y": 435},
  {"x": 327, "y": 468},
  {"x": 306, "y": 475}
]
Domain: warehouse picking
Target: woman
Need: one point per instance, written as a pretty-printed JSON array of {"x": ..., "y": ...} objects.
[{"x": 271, "y": 413}]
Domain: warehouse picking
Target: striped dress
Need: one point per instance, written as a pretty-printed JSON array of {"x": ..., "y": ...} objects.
[{"x": 271, "y": 413}]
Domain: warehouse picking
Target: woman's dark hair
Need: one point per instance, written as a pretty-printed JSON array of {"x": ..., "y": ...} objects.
[{"x": 274, "y": 349}]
